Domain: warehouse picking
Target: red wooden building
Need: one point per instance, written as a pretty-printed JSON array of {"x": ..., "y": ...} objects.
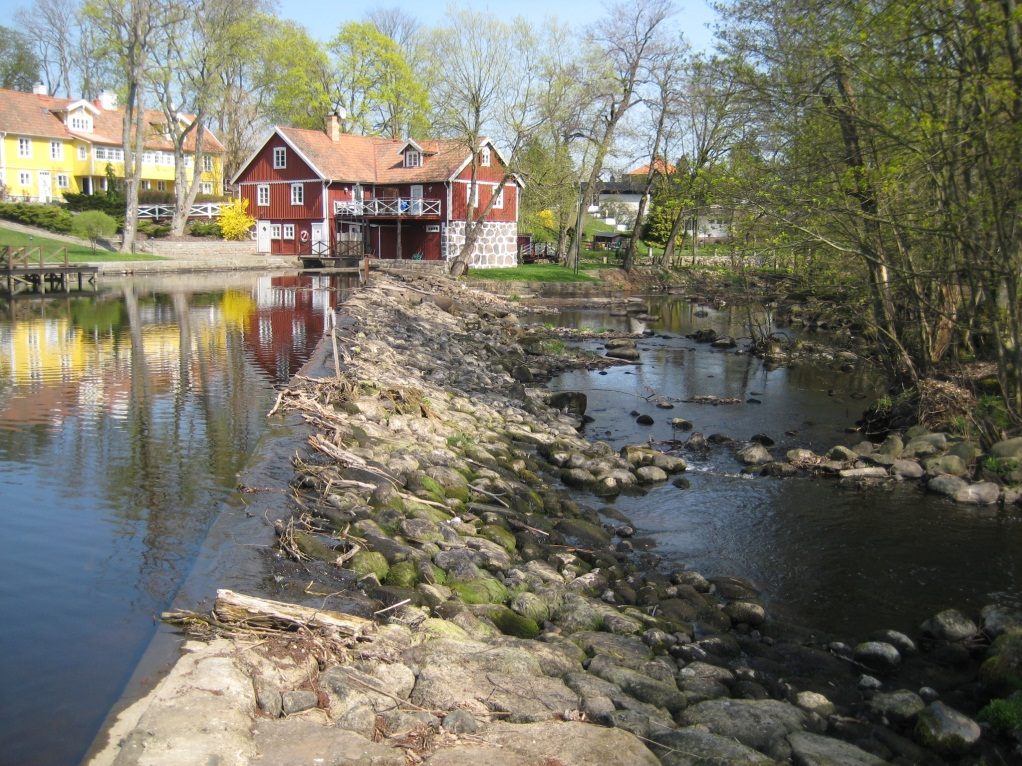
[{"x": 330, "y": 193}]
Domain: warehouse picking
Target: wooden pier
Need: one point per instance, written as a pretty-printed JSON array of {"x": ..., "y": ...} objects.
[{"x": 40, "y": 268}]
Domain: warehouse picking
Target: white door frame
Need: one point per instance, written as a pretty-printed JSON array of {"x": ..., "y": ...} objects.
[
  {"x": 263, "y": 239},
  {"x": 45, "y": 186},
  {"x": 319, "y": 243}
]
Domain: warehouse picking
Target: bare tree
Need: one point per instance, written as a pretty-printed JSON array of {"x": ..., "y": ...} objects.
[
  {"x": 132, "y": 31},
  {"x": 625, "y": 41},
  {"x": 53, "y": 26}
]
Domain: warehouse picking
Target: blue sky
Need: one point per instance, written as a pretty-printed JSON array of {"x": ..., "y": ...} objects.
[{"x": 323, "y": 17}]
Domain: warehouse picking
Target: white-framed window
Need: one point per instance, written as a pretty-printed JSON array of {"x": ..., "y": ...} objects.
[
  {"x": 274, "y": 231},
  {"x": 161, "y": 186},
  {"x": 147, "y": 184},
  {"x": 279, "y": 157},
  {"x": 472, "y": 195},
  {"x": 81, "y": 122},
  {"x": 498, "y": 192},
  {"x": 24, "y": 147},
  {"x": 110, "y": 155},
  {"x": 25, "y": 178},
  {"x": 263, "y": 195},
  {"x": 413, "y": 159},
  {"x": 83, "y": 152},
  {"x": 206, "y": 187},
  {"x": 62, "y": 181},
  {"x": 207, "y": 163},
  {"x": 484, "y": 156},
  {"x": 289, "y": 231},
  {"x": 56, "y": 150},
  {"x": 297, "y": 194}
]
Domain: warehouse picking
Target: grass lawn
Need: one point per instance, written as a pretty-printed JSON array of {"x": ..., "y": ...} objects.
[
  {"x": 533, "y": 272},
  {"x": 75, "y": 253}
]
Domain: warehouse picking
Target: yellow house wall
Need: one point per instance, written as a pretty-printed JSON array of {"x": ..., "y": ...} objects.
[{"x": 14, "y": 165}]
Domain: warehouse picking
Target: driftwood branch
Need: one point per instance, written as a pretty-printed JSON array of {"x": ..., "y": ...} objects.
[{"x": 235, "y": 608}]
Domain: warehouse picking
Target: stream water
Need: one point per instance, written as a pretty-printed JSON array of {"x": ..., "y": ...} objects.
[
  {"x": 125, "y": 417},
  {"x": 846, "y": 561}
]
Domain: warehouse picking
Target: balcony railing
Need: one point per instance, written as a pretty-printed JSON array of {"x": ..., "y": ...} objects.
[{"x": 389, "y": 207}]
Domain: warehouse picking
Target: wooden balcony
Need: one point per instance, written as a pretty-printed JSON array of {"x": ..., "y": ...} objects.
[{"x": 389, "y": 207}]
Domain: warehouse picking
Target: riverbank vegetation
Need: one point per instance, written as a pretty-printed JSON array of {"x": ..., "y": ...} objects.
[{"x": 76, "y": 253}]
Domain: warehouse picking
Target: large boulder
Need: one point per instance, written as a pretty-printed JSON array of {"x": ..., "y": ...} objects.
[
  {"x": 695, "y": 746},
  {"x": 1009, "y": 449},
  {"x": 808, "y": 749},
  {"x": 763, "y": 725},
  {"x": 949, "y": 625},
  {"x": 946, "y": 731},
  {"x": 565, "y": 743}
]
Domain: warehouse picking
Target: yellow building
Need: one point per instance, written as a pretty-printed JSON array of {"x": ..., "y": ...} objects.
[{"x": 50, "y": 146}]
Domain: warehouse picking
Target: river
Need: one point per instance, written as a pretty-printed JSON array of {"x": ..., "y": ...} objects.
[
  {"x": 125, "y": 417},
  {"x": 841, "y": 560}
]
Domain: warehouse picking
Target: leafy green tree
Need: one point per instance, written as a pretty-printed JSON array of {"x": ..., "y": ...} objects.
[
  {"x": 19, "y": 65},
  {"x": 374, "y": 84},
  {"x": 292, "y": 77},
  {"x": 93, "y": 225},
  {"x": 892, "y": 135}
]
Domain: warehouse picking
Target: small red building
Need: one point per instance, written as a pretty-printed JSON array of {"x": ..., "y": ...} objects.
[{"x": 334, "y": 194}]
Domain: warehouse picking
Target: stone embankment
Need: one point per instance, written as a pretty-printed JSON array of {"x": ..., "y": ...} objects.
[{"x": 466, "y": 605}]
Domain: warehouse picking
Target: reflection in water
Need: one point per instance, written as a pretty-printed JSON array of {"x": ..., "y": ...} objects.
[
  {"x": 828, "y": 557},
  {"x": 124, "y": 419}
]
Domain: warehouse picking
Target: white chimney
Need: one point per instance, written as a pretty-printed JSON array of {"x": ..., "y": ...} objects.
[
  {"x": 107, "y": 100},
  {"x": 39, "y": 88}
]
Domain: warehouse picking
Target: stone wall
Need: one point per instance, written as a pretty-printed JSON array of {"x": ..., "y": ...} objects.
[{"x": 496, "y": 247}]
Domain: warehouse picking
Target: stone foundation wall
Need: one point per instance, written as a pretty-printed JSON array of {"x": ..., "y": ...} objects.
[{"x": 496, "y": 247}]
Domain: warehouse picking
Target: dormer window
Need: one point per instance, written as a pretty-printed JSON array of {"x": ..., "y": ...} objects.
[
  {"x": 484, "y": 156},
  {"x": 413, "y": 158},
  {"x": 81, "y": 123}
]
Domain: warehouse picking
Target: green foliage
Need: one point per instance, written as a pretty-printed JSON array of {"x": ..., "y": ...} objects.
[
  {"x": 375, "y": 84},
  {"x": 205, "y": 229},
  {"x": 1004, "y": 715},
  {"x": 658, "y": 224},
  {"x": 293, "y": 76},
  {"x": 49, "y": 217},
  {"x": 112, "y": 203},
  {"x": 93, "y": 225},
  {"x": 19, "y": 65},
  {"x": 234, "y": 220},
  {"x": 152, "y": 230}
]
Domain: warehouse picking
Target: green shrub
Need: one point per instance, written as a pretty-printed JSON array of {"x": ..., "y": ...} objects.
[
  {"x": 111, "y": 203},
  {"x": 153, "y": 230},
  {"x": 50, "y": 217},
  {"x": 206, "y": 229},
  {"x": 93, "y": 225}
]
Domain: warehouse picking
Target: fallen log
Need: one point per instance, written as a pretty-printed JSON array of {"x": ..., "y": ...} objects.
[{"x": 235, "y": 608}]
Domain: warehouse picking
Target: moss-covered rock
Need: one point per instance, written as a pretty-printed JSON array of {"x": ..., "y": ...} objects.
[
  {"x": 483, "y": 590},
  {"x": 531, "y": 606},
  {"x": 314, "y": 547},
  {"x": 449, "y": 481},
  {"x": 434, "y": 628},
  {"x": 509, "y": 623},
  {"x": 1001, "y": 672},
  {"x": 498, "y": 535},
  {"x": 584, "y": 531},
  {"x": 370, "y": 563},
  {"x": 404, "y": 574},
  {"x": 1005, "y": 715},
  {"x": 421, "y": 485},
  {"x": 416, "y": 510}
]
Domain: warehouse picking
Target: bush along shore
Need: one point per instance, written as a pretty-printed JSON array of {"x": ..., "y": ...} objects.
[{"x": 444, "y": 595}]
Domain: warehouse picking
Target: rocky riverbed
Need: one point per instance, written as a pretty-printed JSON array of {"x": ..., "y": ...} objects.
[{"x": 466, "y": 599}]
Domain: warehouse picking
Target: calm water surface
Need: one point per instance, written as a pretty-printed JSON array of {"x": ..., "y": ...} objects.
[
  {"x": 124, "y": 419},
  {"x": 834, "y": 559}
]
